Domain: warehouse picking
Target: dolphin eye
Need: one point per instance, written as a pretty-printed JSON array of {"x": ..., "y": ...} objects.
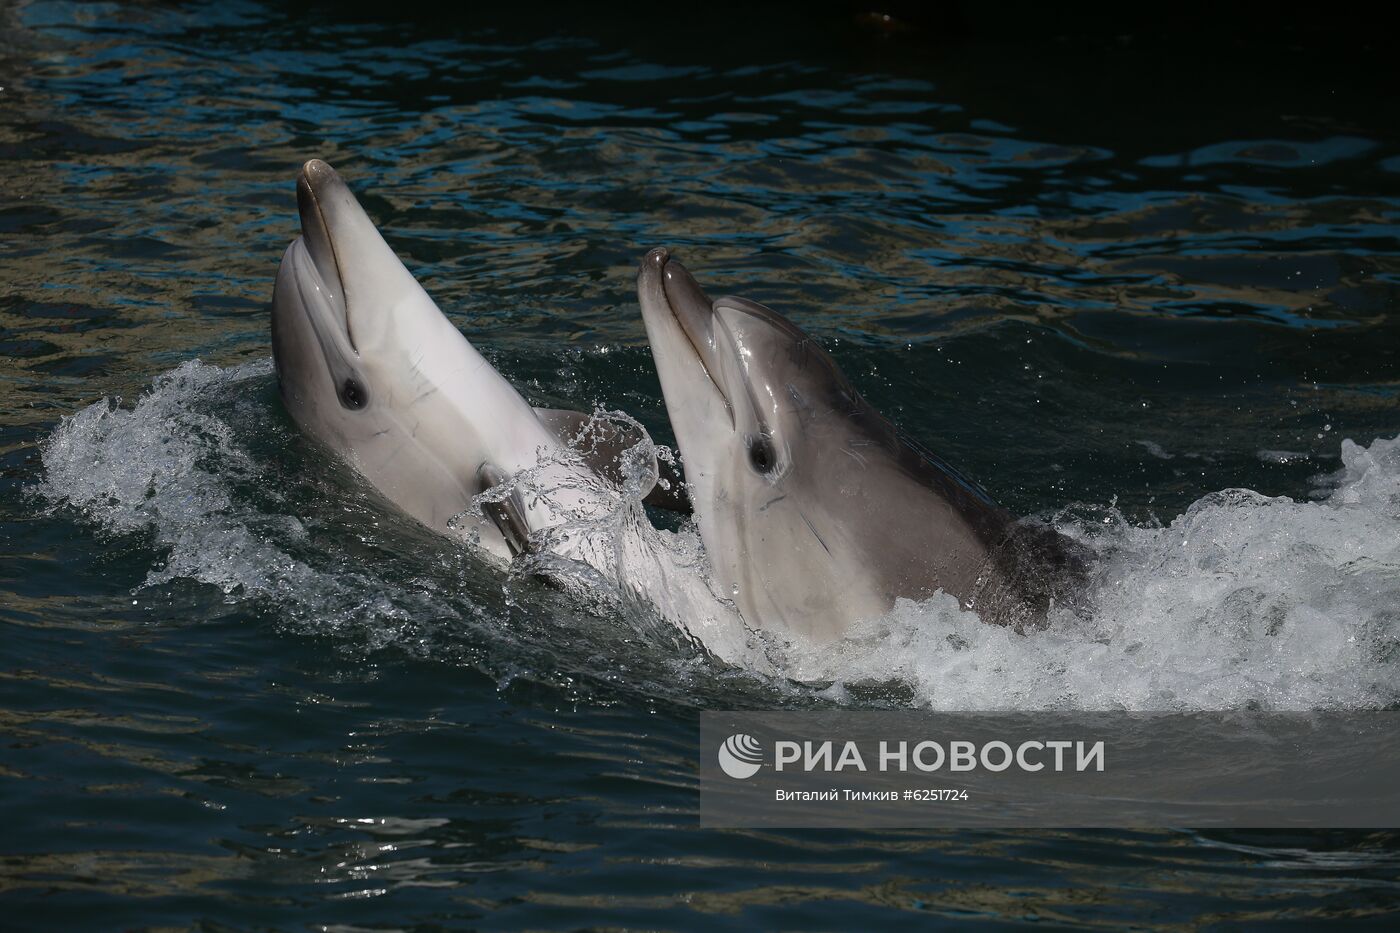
[
  {"x": 762, "y": 457},
  {"x": 353, "y": 395}
]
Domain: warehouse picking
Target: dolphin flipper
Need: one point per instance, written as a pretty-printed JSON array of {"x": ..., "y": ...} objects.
[
  {"x": 602, "y": 444},
  {"x": 508, "y": 515}
]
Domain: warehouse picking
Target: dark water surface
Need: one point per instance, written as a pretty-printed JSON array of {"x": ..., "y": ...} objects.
[{"x": 1114, "y": 276}]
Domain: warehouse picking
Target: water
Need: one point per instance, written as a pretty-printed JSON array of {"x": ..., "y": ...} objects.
[{"x": 238, "y": 692}]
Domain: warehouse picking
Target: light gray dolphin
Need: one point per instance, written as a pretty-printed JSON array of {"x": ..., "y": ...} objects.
[
  {"x": 815, "y": 511},
  {"x": 369, "y": 366}
]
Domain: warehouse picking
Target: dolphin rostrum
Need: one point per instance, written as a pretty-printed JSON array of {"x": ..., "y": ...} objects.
[
  {"x": 816, "y": 511},
  {"x": 370, "y": 367}
]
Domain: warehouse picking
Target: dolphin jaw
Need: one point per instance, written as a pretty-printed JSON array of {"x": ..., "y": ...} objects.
[
  {"x": 301, "y": 293},
  {"x": 311, "y": 287},
  {"x": 318, "y": 243},
  {"x": 368, "y": 280},
  {"x": 669, "y": 284}
]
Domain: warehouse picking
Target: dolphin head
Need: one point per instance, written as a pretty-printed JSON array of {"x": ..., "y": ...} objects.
[
  {"x": 342, "y": 302},
  {"x": 368, "y": 365},
  {"x": 815, "y": 511},
  {"x": 734, "y": 369}
]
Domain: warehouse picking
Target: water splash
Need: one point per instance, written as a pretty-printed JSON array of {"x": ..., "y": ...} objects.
[
  {"x": 605, "y": 550},
  {"x": 1243, "y": 601},
  {"x": 178, "y": 465},
  {"x": 173, "y": 466}
]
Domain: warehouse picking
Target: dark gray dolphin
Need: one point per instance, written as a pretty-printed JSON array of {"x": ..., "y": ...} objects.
[{"x": 816, "y": 511}]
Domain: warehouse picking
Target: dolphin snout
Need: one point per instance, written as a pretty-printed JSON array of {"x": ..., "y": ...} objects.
[
  {"x": 673, "y": 301},
  {"x": 688, "y": 300},
  {"x": 316, "y": 170},
  {"x": 313, "y": 182},
  {"x": 651, "y": 269},
  {"x": 665, "y": 284}
]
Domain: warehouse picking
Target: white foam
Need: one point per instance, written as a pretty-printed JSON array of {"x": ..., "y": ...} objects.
[
  {"x": 167, "y": 466},
  {"x": 607, "y": 550},
  {"x": 174, "y": 466},
  {"x": 1243, "y": 601}
]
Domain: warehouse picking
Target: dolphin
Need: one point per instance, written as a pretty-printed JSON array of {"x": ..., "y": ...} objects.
[
  {"x": 370, "y": 367},
  {"x": 816, "y": 511}
]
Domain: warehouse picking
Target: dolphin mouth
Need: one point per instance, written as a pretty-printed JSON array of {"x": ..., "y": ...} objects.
[
  {"x": 313, "y": 182},
  {"x": 691, "y": 309}
]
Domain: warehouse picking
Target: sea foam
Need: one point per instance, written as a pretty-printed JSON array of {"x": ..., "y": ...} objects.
[{"x": 1243, "y": 601}]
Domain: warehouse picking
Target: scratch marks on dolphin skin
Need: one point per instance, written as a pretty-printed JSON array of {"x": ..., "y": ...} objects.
[
  {"x": 856, "y": 456},
  {"x": 799, "y": 407},
  {"x": 800, "y": 352},
  {"x": 806, "y": 521},
  {"x": 432, "y": 389},
  {"x": 764, "y": 507}
]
